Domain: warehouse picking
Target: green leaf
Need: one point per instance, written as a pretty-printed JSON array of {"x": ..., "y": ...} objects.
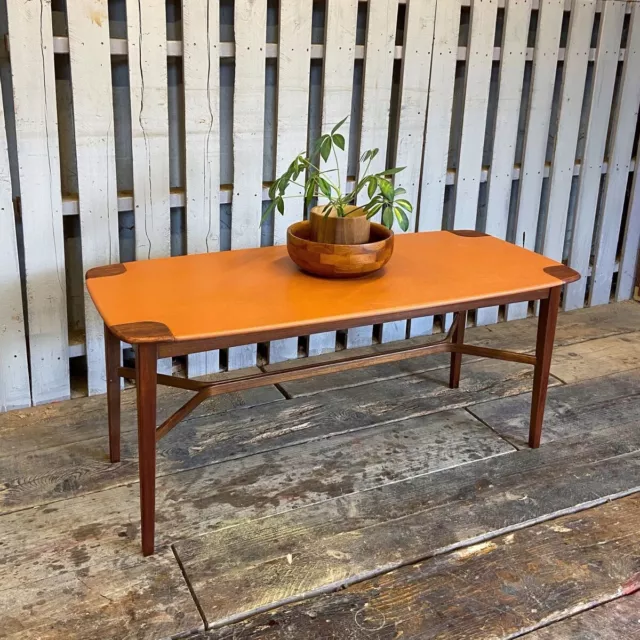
[
  {"x": 365, "y": 156},
  {"x": 338, "y": 140},
  {"x": 324, "y": 186},
  {"x": 325, "y": 148},
  {"x": 280, "y": 205},
  {"x": 268, "y": 212},
  {"x": 371, "y": 189},
  {"x": 372, "y": 212},
  {"x": 272, "y": 190},
  {"x": 374, "y": 153},
  {"x": 402, "y": 218},
  {"x": 387, "y": 216},
  {"x": 399, "y": 191},
  {"x": 405, "y": 204},
  {"x": 339, "y": 125},
  {"x": 386, "y": 188},
  {"x": 327, "y": 209},
  {"x": 392, "y": 172}
]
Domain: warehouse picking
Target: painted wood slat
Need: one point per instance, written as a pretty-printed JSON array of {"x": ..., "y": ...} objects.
[
  {"x": 294, "y": 63},
  {"x": 250, "y": 23},
  {"x": 537, "y": 131},
  {"x": 564, "y": 151},
  {"x": 14, "y": 368},
  {"x": 147, "y": 46},
  {"x": 413, "y": 96},
  {"x": 476, "y": 99},
  {"x": 201, "y": 71},
  {"x": 630, "y": 255},
  {"x": 436, "y": 141},
  {"x": 90, "y": 58},
  {"x": 500, "y": 179},
  {"x": 619, "y": 162},
  {"x": 33, "y": 79},
  {"x": 604, "y": 76},
  {"x": 382, "y": 18},
  {"x": 337, "y": 85}
]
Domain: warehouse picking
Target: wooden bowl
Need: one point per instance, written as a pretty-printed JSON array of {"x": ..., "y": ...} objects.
[{"x": 339, "y": 260}]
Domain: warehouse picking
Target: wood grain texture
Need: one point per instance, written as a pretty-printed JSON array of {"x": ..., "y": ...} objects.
[
  {"x": 597, "y": 358},
  {"x": 629, "y": 262},
  {"x": 81, "y": 467},
  {"x": 624, "y": 119},
  {"x": 573, "y": 328},
  {"x": 131, "y": 598},
  {"x": 581, "y": 408},
  {"x": 500, "y": 179},
  {"x": 571, "y": 564},
  {"x": 201, "y": 73},
  {"x": 437, "y": 129},
  {"x": 609, "y": 621},
  {"x": 412, "y": 112},
  {"x": 38, "y": 155},
  {"x": 15, "y": 391},
  {"x": 147, "y": 42},
  {"x": 250, "y": 27},
  {"x": 354, "y": 537},
  {"x": 476, "y": 100},
  {"x": 382, "y": 18},
  {"x": 338, "y": 260},
  {"x": 56, "y": 425},
  {"x": 543, "y": 78},
  {"x": 90, "y": 59},
  {"x": 337, "y": 89},
  {"x": 196, "y": 495},
  {"x": 294, "y": 61},
  {"x": 604, "y": 77},
  {"x": 576, "y": 60}
]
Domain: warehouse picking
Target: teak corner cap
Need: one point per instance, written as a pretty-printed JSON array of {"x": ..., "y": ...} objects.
[
  {"x": 106, "y": 270},
  {"x": 563, "y": 272}
]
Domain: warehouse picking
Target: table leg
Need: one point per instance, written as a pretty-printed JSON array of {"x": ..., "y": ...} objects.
[
  {"x": 113, "y": 355},
  {"x": 457, "y": 337},
  {"x": 544, "y": 348},
  {"x": 146, "y": 379}
]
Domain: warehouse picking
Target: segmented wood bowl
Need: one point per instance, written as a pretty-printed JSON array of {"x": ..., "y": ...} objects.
[{"x": 339, "y": 260}]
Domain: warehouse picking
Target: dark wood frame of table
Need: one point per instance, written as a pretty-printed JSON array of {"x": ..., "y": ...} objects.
[{"x": 154, "y": 344}]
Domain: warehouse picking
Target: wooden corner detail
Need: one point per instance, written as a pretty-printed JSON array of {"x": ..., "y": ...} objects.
[
  {"x": 142, "y": 332},
  {"x": 467, "y": 233},
  {"x": 106, "y": 270},
  {"x": 562, "y": 272}
]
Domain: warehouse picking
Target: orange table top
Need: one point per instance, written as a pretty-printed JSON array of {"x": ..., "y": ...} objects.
[{"x": 258, "y": 291}]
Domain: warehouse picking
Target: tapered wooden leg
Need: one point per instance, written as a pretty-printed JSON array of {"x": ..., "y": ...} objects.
[
  {"x": 457, "y": 337},
  {"x": 146, "y": 379},
  {"x": 544, "y": 348},
  {"x": 113, "y": 355}
]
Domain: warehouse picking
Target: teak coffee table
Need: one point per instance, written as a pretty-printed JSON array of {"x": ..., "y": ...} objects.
[{"x": 176, "y": 306}]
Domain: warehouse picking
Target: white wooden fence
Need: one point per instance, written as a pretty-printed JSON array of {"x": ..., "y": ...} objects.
[{"x": 142, "y": 128}]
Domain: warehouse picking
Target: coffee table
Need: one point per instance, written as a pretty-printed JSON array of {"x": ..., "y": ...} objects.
[{"x": 187, "y": 304}]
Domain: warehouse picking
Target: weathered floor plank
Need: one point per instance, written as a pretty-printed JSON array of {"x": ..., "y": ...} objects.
[
  {"x": 597, "y": 358},
  {"x": 61, "y": 423},
  {"x": 575, "y": 327},
  {"x": 615, "y": 620},
  {"x": 494, "y": 589},
  {"x": 58, "y": 473},
  {"x": 243, "y": 569},
  {"x": 196, "y": 501},
  {"x": 571, "y": 410},
  {"x": 126, "y": 598}
]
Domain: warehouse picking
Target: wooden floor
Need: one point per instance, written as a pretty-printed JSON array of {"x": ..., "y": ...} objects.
[{"x": 369, "y": 504}]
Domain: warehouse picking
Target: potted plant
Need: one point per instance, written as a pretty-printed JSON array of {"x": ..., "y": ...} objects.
[{"x": 341, "y": 220}]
